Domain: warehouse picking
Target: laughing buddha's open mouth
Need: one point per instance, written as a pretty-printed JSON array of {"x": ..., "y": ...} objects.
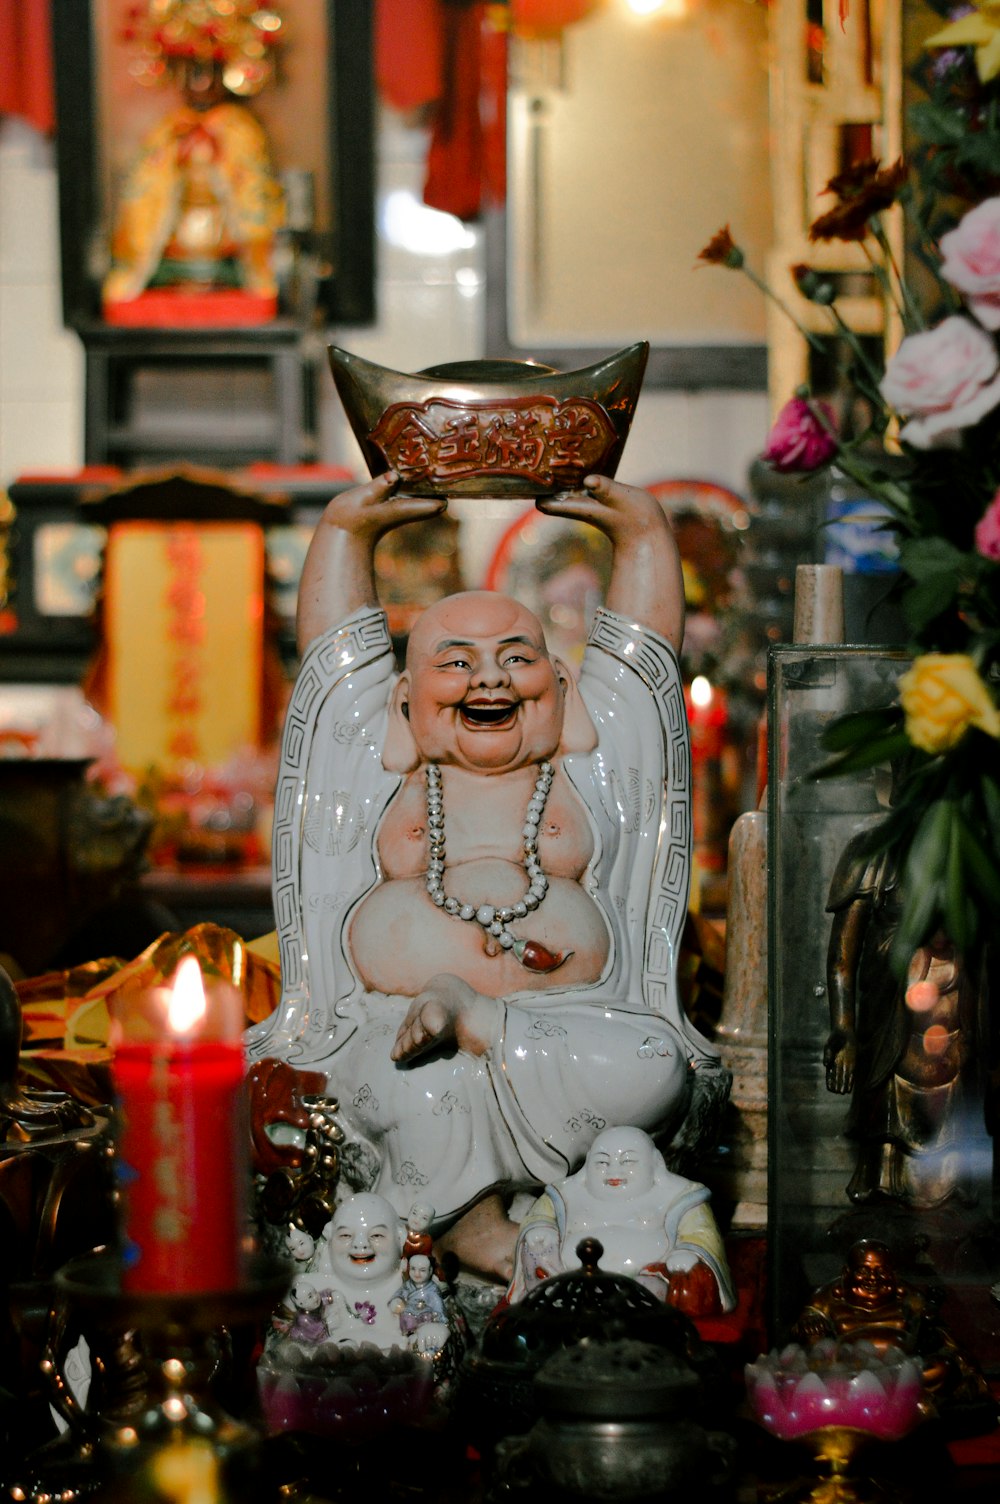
[{"x": 488, "y": 715}]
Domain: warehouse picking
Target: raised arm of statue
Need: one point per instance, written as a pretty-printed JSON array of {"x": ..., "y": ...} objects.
[
  {"x": 646, "y": 583},
  {"x": 338, "y": 576}
]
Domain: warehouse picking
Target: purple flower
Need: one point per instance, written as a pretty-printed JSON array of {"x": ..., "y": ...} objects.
[{"x": 800, "y": 439}]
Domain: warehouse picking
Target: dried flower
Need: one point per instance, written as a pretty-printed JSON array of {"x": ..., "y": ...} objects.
[
  {"x": 862, "y": 179},
  {"x": 942, "y": 697},
  {"x": 801, "y": 440},
  {"x": 722, "y": 250},
  {"x": 863, "y": 191}
]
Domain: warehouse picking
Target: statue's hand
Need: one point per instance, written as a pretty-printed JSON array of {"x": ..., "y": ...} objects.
[
  {"x": 448, "y": 1010},
  {"x": 369, "y": 511},
  {"x": 811, "y": 1326},
  {"x": 839, "y": 1058},
  {"x": 646, "y": 583},
  {"x": 623, "y": 513}
]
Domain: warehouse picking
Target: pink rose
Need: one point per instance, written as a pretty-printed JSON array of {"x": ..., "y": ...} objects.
[
  {"x": 971, "y": 262},
  {"x": 944, "y": 380},
  {"x": 988, "y": 531},
  {"x": 799, "y": 440}
]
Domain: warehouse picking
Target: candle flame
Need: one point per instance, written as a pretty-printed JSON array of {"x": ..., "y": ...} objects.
[
  {"x": 701, "y": 691},
  {"x": 187, "y": 1005}
]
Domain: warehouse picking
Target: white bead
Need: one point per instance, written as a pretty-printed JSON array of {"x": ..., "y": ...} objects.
[
  {"x": 467, "y": 911},
  {"x": 485, "y": 913}
]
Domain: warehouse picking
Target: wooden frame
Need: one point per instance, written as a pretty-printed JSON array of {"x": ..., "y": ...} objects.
[
  {"x": 670, "y": 367},
  {"x": 347, "y": 296}
]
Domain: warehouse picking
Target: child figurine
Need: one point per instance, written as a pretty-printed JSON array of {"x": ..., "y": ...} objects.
[
  {"x": 419, "y": 1306},
  {"x": 418, "y": 1235},
  {"x": 300, "y": 1244},
  {"x": 308, "y": 1325}
]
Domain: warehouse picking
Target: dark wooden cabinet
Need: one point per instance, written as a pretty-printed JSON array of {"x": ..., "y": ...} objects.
[{"x": 225, "y": 397}]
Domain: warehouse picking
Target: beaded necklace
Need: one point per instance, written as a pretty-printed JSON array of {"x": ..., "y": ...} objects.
[{"x": 494, "y": 918}]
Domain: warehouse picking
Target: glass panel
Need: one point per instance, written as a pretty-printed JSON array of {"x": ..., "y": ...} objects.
[{"x": 905, "y": 1158}]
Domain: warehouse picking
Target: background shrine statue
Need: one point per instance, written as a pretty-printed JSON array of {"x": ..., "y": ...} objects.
[
  {"x": 481, "y": 870},
  {"x": 201, "y": 204},
  {"x": 911, "y": 1050}
]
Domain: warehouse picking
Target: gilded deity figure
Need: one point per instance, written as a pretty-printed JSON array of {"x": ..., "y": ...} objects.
[{"x": 200, "y": 205}]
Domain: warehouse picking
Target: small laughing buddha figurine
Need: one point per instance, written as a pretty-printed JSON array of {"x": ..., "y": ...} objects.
[{"x": 652, "y": 1224}]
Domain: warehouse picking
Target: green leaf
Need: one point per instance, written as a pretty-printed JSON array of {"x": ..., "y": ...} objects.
[
  {"x": 923, "y": 878},
  {"x": 924, "y": 602},
  {"x": 983, "y": 870},
  {"x": 991, "y": 800},
  {"x": 959, "y": 921},
  {"x": 858, "y": 726},
  {"x": 869, "y": 754},
  {"x": 926, "y": 558},
  {"x": 979, "y": 151},
  {"x": 937, "y": 125}
]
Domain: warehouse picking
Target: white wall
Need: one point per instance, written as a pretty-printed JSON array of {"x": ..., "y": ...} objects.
[
  {"x": 41, "y": 364},
  {"x": 431, "y": 309}
]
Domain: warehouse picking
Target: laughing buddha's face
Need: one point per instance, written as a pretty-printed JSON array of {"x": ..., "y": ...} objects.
[
  {"x": 620, "y": 1163},
  {"x": 480, "y": 690},
  {"x": 364, "y": 1239}
]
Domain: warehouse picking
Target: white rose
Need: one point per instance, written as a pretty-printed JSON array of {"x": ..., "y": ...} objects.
[
  {"x": 971, "y": 262},
  {"x": 944, "y": 379}
]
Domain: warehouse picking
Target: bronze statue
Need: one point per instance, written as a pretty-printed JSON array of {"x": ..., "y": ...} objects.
[
  {"x": 868, "y": 1302},
  {"x": 908, "y": 1049}
]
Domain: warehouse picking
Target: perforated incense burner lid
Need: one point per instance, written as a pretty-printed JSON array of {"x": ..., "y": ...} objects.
[{"x": 583, "y": 1306}]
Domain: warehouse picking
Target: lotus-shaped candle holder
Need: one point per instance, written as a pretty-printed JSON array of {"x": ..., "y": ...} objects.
[
  {"x": 854, "y": 1384},
  {"x": 835, "y": 1398}
]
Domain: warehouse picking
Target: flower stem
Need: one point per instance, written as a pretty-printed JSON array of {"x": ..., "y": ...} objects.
[
  {"x": 895, "y": 497},
  {"x": 813, "y": 339},
  {"x": 853, "y": 343},
  {"x": 908, "y": 311}
]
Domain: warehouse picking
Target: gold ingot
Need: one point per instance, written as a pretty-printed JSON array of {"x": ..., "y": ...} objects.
[{"x": 494, "y": 428}]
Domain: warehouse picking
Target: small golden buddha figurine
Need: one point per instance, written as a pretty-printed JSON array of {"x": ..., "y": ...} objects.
[{"x": 868, "y": 1302}]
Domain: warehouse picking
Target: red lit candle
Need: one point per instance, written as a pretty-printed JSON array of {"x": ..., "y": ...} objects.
[{"x": 178, "y": 1073}]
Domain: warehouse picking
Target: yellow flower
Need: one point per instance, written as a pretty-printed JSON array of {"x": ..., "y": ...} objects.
[
  {"x": 942, "y": 696},
  {"x": 979, "y": 29}
]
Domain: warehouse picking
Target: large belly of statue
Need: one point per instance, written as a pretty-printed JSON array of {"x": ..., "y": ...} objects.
[{"x": 398, "y": 939}]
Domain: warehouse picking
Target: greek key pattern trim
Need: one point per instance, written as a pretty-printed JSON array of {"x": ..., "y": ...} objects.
[
  {"x": 655, "y": 661},
  {"x": 327, "y": 662}
]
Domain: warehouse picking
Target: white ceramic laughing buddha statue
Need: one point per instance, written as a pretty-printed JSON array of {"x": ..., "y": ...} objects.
[
  {"x": 481, "y": 870},
  {"x": 652, "y": 1224}
]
